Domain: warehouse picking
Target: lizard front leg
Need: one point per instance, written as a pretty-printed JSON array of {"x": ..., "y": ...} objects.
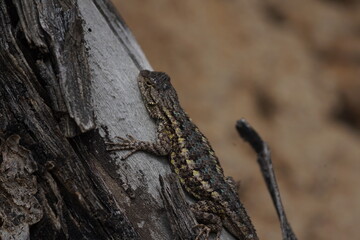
[{"x": 161, "y": 147}]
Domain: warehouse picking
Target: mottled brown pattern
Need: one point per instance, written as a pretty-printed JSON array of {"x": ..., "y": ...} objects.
[{"x": 191, "y": 158}]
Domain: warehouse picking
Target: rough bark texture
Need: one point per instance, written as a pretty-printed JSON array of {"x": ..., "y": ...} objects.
[
  {"x": 181, "y": 219},
  {"x": 67, "y": 84}
]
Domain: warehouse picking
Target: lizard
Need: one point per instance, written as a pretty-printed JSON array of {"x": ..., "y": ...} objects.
[{"x": 192, "y": 159}]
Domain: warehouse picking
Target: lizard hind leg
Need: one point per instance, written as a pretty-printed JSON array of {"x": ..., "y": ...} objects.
[{"x": 205, "y": 213}]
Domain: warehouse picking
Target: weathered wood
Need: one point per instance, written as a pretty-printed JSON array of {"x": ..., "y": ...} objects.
[
  {"x": 45, "y": 85},
  {"x": 55, "y": 31},
  {"x": 19, "y": 206},
  {"x": 68, "y": 84},
  {"x": 180, "y": 217}
]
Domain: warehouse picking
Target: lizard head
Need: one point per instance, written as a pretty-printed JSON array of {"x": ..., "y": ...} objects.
[{"x": 157, "y": 92}]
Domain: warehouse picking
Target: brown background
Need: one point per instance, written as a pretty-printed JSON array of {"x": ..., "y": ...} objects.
[{"x": 291, "y": 68}]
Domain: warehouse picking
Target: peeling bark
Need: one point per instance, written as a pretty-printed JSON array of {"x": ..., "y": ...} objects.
[{"x": 19, "y": 207}]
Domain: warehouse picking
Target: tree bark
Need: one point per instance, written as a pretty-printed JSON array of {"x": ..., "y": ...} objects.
[
  {"x": 68, "y": 84},
  {"x": 68, "y": 81}
]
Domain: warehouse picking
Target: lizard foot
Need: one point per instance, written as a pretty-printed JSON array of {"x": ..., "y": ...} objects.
[
  {"x": 205, "y": 231},
  {"x": 129, "y": 143},
  {"x": 206, "y": 212}
]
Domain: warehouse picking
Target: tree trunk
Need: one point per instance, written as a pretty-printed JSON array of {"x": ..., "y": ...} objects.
[{"x": 68, "y": 84}]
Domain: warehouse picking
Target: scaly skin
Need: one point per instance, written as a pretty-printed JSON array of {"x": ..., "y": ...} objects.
[{"x": 191, "y": 158}]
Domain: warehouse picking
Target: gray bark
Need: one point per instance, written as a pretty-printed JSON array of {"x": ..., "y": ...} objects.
[{"x": 67, "y": 85}]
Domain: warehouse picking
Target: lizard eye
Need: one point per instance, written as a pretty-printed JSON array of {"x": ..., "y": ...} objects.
[{"x": 148, "y": 82}]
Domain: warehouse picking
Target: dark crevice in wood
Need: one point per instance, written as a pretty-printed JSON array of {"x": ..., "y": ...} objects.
[{"x": 12, "y": 14}]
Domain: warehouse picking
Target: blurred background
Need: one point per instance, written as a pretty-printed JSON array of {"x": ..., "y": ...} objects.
[{"x": 292, "y": 69}]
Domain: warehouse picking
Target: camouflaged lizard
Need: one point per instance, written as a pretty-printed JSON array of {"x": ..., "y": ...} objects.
[{"x": 191, "y": 158}]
